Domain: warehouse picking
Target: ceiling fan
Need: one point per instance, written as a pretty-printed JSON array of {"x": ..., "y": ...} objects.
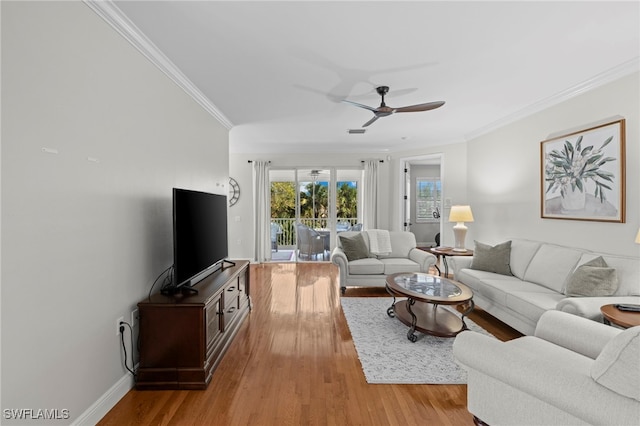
[{"x": 383, "y": 110}]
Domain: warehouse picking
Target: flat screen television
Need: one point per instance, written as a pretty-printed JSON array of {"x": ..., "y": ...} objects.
[{"x": 199, "y": 235}]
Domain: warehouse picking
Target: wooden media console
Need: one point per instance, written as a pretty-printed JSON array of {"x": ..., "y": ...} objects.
[{"x": 183, "y": 337}]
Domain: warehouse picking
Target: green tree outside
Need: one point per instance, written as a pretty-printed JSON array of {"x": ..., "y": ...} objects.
[
  {"x": 347, "y": 200},
  {"x": 283, "y": 200},
  {"x": 283, "y": 203}
]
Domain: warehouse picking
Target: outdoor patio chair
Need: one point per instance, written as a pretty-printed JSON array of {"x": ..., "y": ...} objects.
[
  {"x": 310, "y": 242},
  {"x": 275, "y": 230},
  {"x": 342, "y": 226}
]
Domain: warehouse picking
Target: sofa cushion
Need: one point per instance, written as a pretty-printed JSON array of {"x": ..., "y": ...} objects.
[
  {"x": 354, "y": 247},
  {"x": 552, "y": 265},
  {"x": 492, "y": 258},
  {"x": 368, "y": 266},
  {"x": 522, "y": 251},
  {"x": 476, "y": 281},
  {"x": 616, "y": 368},
  {"x": 402, "y": 243},
  {"x": 392, "y": 266},
  {"x": 532, "y": 304},
  {"x": 495, "y": 287},
  {"x": 594, "y": 278}
]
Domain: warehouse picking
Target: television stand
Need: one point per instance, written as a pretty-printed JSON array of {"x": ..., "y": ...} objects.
[{"x": 183, "y": 337}]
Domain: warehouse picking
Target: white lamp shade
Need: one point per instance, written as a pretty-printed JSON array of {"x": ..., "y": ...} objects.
[
  {"x": 460, "y": 214},
  {"x": 638, "y": 237}
]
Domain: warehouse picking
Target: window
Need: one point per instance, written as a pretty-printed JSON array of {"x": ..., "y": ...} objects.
[{"x": 428, "y": 198}]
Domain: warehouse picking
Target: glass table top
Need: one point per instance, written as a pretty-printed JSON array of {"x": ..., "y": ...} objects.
[{"x": 428, "y": 285}]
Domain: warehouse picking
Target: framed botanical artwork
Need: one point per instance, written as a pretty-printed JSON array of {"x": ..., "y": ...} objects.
[{"x": 583, "y": 174}]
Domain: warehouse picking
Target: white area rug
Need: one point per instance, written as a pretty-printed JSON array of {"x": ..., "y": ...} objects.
[{"x": 387, "y": 356}]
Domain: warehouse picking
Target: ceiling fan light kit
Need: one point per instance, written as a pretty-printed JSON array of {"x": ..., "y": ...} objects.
[{"x": 383, "y": 110}]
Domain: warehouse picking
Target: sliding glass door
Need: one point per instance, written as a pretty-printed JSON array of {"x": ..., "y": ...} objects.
[{"x": 308, "y": 207}]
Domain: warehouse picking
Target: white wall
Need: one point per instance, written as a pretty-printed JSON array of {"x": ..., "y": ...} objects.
[
  {"x": 82, "y": 241},
  {"x": 504, "y": 173}
]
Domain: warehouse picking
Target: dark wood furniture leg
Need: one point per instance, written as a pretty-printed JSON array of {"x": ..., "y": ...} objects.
[{"x": 478, "y": 422}]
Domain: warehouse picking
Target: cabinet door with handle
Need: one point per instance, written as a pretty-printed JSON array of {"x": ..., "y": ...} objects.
[
  {"x": 230, "y": 304},
  {"x": 214, "y": 322}
]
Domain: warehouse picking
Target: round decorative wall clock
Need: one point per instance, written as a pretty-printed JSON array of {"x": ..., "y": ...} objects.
[{"x": 234, "y": 191}]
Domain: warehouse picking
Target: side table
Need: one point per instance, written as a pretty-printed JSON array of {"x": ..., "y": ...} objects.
[
  {"x": 446, "y": 252},
  {"x": 624, "y": 319}
]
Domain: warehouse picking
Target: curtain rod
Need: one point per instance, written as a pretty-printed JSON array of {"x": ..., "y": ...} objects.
[{"x": 382, "y": 161}]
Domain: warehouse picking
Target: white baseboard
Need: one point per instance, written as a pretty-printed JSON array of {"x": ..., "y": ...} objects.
[{"x": 106, "y": 402}]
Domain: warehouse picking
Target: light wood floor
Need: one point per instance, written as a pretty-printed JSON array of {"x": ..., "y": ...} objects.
[{"x": 294, "y": 363}]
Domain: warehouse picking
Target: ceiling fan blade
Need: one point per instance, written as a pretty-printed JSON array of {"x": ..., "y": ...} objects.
[
  {"x": 359, "y": 105},
  {"x": 370, "y": 121},
  {"x": 420, "y": 107}
]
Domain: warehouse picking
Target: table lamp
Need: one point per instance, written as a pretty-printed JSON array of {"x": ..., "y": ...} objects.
[{"x": 460, "y": 214}]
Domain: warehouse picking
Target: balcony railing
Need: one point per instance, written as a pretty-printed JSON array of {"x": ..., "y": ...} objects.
[{"x": 287, "y": 238}]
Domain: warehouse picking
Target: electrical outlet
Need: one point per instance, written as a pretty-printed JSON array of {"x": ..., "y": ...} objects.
[
  {"x": 118, "y": 321},
  {"x": 134, "y": 318}
]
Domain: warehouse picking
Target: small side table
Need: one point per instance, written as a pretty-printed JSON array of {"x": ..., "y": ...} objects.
[
  {"x": 445, "y": 252},
  {"x": 624, "y": 319}
]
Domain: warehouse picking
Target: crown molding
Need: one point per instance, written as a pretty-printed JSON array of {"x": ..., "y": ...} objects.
[
  {"x": 108, "y": 11},
  {"x": 605, "y": 77}
]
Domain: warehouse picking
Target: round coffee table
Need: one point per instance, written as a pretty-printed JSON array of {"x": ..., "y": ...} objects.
[
  {"x": 421, "y": 311},
  {"x": 624, "y": 319}
]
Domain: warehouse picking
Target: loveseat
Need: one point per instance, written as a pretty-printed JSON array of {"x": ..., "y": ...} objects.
[
  {"x": 537, "y": 279},
  {"x": 365, "y": 269},
  {"x": 574, "y": 371}
]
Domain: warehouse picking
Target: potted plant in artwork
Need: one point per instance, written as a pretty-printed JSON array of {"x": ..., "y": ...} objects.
[{"x": 568, "y": 169}]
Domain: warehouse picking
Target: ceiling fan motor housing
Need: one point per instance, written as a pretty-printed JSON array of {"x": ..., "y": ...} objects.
[{"x": 382, "y": 90}]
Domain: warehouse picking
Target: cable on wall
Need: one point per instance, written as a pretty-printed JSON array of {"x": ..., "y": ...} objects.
[{"x": 124, "y": 348}]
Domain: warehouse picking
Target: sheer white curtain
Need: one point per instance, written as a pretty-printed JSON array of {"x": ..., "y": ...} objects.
[
  {"x": 370, "y": 195},
  {"x": 261, "y": 211}
]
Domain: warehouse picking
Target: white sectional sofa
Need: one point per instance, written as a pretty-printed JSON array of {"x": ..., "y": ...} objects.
[
  {"x": 372, "y": 270},
  {"x": 541, "y": 272},
  {"x": 574, "y": 371}
]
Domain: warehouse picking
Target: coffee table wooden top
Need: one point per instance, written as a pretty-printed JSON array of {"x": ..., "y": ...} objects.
[
  {"x": 622, "y": 318},
  {"x": 429, "y": 288}
]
